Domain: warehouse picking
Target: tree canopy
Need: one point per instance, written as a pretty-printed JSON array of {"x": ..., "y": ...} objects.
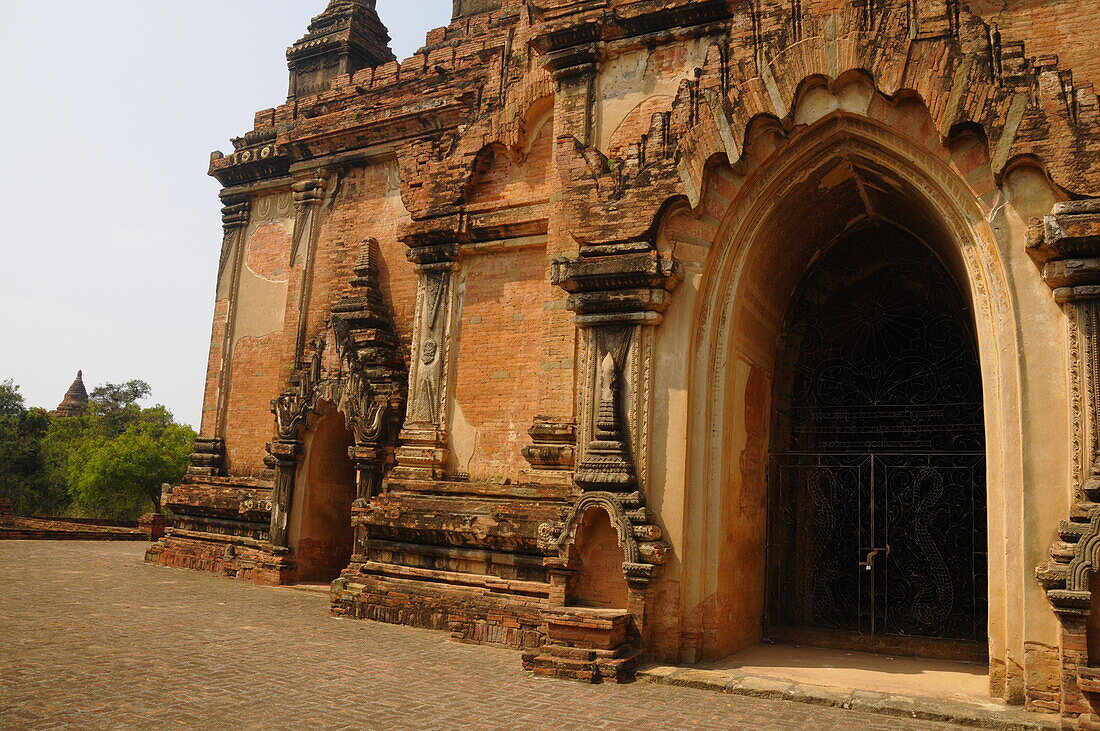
[
  {"x": 108, "y": 463},
  {"x": 23, "y": 474}
]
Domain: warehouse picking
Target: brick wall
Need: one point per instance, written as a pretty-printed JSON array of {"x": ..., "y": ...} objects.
[
  {"x": 496, "y": 385},
  {"x": 367, "y": 205},
  {"x": 600, "y": 581},
  {"x": 1063, "y": 28}
]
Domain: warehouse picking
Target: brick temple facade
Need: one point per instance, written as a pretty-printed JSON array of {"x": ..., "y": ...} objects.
[{"x": 612, "y": 330}]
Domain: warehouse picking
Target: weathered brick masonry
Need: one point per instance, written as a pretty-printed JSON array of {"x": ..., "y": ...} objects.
[{"x": 544, "y": 278}]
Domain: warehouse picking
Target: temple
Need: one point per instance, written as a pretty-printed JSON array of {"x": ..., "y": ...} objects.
[
  {"x": 624, "y": 330},
  {"x": 75, "y": 402}
]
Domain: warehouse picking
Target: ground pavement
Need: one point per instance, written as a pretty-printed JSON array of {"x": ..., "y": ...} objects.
[{"x": 91, "y": 637}]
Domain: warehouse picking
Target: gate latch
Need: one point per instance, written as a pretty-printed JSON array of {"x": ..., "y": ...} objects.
[{"x": 868, "y": 562}]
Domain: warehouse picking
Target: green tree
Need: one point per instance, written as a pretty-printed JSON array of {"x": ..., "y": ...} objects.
[
  {"x": 115, "y": 458},
  {"x": 24, "y": 479},
  {"x": 121, "y": 477},
  {"x": 117, "y": 405},
  {"x": 11, "y": 401}
]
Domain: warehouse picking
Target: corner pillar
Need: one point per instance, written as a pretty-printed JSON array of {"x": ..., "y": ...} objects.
[{"x": 236, "y": 213}]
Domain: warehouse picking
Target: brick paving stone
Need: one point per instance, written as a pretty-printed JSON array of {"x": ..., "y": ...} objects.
[{"x": 94, "y": 638}]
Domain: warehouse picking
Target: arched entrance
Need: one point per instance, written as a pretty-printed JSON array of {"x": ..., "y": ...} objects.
[
  {"x": 876, "y": 475},
  {"x": 807, "y": 194},
  {"x": 321, "y": 535}
]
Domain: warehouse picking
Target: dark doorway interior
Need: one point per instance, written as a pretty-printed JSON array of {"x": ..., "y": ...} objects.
[
  {"x": 326, "y": 487},
  {"x": 877, "y": 533}
]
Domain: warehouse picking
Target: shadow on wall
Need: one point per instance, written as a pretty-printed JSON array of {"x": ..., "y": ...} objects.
[{"x": 600, "y": 581}]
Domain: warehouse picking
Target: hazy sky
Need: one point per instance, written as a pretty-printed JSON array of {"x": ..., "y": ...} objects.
[{"x": 112, "y": 228}]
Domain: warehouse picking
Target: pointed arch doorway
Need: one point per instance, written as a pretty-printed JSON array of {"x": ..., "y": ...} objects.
[
  {"x": 876, "y": 473},
  {"x": 321, "y": 534}
]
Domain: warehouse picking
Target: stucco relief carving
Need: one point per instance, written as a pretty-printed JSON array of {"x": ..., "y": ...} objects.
[
  {"x": 433, "y": 330},
  {"x": 638, "y": 534},
  {"x": 423, "y": 453},
  {"x": 618, "y": 301},
  {"x": 365, "y": 381},
  {"x": 1067, "y": 244}
]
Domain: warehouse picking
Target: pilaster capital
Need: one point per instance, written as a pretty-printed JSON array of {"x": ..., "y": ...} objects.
[
  {"x": 309, "y": 192},
  {"x": 433, "y": 256},
  {"x": 235, "y": 211},
  {"x": 621, "y": 289},
  {"x": 285, "y": 452},
  {"x": 1067, "y": 244}
]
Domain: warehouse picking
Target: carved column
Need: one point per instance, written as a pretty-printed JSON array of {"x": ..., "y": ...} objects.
[
  {"x": 618, "y": 301},
  {"x": 285, "y": 454},
  {"x": 423, "y": 453},
  {"x": 1067, "y": 244}
]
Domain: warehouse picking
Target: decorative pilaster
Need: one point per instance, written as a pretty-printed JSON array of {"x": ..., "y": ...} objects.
[
  {"x": 1067, "y": 244},
  {"x": 235, "y": 217},
  {"x": 308, "y": 195},
  {"x": 618, "y": 300},
  {"x": 423, "y": 452}
]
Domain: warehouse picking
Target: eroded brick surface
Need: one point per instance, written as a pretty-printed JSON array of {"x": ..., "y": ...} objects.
[{"x": 94, "y": 638}]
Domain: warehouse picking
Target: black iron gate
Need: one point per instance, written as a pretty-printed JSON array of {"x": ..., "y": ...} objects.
[
  {"x": 896, "y": 543},
  {"x": 877, "y": 472}
]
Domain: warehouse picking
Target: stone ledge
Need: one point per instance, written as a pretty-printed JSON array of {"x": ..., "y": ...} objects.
[{"x": 887, "y": 704}]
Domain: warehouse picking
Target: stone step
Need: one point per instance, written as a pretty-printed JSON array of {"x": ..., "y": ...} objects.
[{"x": 983, "y": 715}]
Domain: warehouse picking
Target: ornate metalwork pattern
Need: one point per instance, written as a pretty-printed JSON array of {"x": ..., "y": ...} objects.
[{"x": 877, "y": 473}]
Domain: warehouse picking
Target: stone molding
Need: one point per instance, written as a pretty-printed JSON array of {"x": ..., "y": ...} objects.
[{"x": 638, "y": 535}]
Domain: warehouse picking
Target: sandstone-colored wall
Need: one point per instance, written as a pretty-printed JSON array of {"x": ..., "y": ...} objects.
[{"x": 261, "y": 350}]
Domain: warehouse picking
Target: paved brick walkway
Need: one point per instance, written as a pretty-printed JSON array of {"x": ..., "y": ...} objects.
[{"x": 91, "y": 637}]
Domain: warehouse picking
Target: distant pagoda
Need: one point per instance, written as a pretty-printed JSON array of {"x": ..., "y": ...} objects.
[{"x": 75, "y": 402}]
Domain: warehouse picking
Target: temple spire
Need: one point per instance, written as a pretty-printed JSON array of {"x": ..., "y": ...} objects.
[
  {"x": 347, "y": 37},
  {"x": 75, "y": 402}
]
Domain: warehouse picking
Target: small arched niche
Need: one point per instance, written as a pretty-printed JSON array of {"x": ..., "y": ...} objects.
[
  {"x": 321, "y": 535},
  {"x": 598, "y": 558}
]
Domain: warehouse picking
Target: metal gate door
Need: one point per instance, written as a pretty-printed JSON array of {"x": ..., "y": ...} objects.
[
  {"x": 896, "y": 542},
  {"x": 877, "y": 472}
]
